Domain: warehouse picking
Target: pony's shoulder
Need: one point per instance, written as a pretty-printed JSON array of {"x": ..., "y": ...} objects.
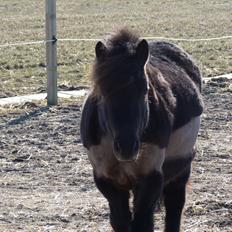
[{"x": 89, "y": 126}]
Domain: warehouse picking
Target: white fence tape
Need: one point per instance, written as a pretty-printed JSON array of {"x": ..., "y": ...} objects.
[{"x": 92, "y": 39}]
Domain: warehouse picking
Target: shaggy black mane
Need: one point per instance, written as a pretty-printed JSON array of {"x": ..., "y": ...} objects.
[
  {"x": 121, "y": 42},
  {"x": 110, "y": 71}
]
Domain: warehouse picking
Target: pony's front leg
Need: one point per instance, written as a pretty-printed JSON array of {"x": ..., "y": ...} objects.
[
  {"x": 120, "y": 215},
  {"x": 146, "y": 195}
]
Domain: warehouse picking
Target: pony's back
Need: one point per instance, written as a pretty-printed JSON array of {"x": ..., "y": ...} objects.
[
  {"x": 176, "y": 58},
  {"x": 178, "y": 74}
]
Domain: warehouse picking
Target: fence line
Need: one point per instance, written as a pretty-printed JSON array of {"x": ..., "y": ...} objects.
[
  {"x": 161, "y": 37},
  {"x": 95, "y": 39},
  {"x": 78, "y": 40},
  {"x": 191, "y": 40},
  {"x": 26, "y": 43}
]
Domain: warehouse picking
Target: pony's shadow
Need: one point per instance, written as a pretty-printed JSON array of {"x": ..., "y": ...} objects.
[{"x": 27, "y": 116}]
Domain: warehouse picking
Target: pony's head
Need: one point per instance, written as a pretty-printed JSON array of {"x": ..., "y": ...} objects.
[{"x": 121, "y": 86}]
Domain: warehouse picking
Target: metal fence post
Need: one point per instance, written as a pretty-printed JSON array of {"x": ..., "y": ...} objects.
[{"x": 51, "y": 52}]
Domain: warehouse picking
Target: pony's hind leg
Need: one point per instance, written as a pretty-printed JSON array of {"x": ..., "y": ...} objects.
[
  {"x": 174, "y": 200},
  {"x": 120, "y": 215},
  {"x": 146, "y": 195}
]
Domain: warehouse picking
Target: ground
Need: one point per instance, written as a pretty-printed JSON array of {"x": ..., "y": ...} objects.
[{"x": 46, "y": 179}]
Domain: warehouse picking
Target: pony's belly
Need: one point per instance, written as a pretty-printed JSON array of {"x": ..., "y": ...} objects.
[
  {"x": 180, "y": 151},
  {"x": 182, "y": 140}
]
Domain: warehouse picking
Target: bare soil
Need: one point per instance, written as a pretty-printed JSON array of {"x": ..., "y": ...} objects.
[{"x": 46, "y": 179}]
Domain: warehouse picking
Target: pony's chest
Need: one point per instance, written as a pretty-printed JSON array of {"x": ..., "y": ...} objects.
[{"x": 124, "y": 174}]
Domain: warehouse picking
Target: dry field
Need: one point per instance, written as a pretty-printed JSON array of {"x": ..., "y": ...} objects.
[{"x": 22, "y": 69}]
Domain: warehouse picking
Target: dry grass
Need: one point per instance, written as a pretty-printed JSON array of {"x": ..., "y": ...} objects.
[{"x": 22, "y": 69}]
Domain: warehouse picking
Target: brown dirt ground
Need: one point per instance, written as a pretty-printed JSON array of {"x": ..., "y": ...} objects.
[{"x": 46, "y": 180}]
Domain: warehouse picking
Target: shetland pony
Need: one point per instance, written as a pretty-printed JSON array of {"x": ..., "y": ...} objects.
[{"x": 139, "y": 124}]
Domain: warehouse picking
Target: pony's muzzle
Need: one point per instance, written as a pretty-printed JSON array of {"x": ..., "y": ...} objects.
[{"x": 125, "y": 150}]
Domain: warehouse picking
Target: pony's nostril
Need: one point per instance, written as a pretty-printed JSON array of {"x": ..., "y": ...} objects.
[
  {"x": 117, "y": 146},
  {"x": 136, "y": 146}
]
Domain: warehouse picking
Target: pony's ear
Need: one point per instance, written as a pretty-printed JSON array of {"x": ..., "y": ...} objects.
[
  {"x": 100, "y": 50},
  {"x": 142, "y": 51}
]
